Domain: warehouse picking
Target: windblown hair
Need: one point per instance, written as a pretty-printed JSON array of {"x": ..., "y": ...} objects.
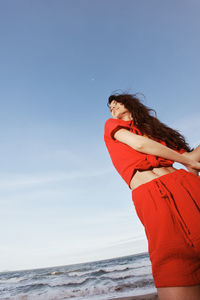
[{"x": 148, "y": 124}]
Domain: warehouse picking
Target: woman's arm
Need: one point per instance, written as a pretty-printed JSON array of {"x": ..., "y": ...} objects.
[
  {"x": 148, "y": 146},
  {"x": 195, "y": 154}
]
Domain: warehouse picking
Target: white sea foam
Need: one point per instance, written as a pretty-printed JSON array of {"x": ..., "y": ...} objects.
[{"x": 96, "y": 280}]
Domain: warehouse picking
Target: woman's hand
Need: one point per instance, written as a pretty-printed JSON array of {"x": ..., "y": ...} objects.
[
  {"x": 193, "y": 171},
  {"x": 190, "y": 168},
  {"x": 193, "y": 166}
]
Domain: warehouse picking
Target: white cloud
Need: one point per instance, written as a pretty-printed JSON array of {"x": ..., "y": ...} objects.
[{"x": 8, "y": 181}]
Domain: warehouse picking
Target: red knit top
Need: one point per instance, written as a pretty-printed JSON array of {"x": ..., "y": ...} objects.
[{"x": 125, "y": 159}]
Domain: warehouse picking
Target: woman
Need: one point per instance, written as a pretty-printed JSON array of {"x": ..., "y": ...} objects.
[{"x": 166, "y": 199}]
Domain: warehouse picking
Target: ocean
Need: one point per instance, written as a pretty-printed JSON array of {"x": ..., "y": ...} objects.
[{"x": 98, "y": 280}]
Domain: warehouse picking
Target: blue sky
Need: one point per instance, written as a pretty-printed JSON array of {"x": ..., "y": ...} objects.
[{"x": 61, "y": 199}]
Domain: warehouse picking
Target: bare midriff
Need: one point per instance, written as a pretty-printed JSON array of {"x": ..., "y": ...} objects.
[{"x": 141, "y": 177}]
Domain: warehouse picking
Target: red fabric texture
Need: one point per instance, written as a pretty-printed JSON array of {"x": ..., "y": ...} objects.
[
  {"x": 169, "y": 209},
  {"x": 125, "y": 159}
]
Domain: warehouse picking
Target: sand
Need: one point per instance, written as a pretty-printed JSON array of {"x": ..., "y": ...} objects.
[{"x": 152, "y": 296}]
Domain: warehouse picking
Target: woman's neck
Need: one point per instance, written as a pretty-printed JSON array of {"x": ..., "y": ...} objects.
[{"x": 127, "y": 116}]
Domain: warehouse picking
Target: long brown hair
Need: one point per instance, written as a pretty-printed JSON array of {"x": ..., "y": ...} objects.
[{"x": 148, "y": 124}]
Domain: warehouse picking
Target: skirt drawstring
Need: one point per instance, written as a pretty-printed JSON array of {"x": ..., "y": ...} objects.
[{"x": 166, "y": 194}]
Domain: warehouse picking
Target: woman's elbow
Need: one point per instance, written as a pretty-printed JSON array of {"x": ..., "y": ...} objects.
[{"x": 139, "y": 147}]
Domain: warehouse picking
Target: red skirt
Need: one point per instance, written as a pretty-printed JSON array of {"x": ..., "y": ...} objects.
[{"x": 169, "y": 209}]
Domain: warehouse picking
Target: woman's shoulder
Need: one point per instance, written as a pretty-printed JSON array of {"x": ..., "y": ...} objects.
[
  {"x": 112, "y": 125},
  {"x": 117, "y": 121},
  {"x": 112, "y": 120}
]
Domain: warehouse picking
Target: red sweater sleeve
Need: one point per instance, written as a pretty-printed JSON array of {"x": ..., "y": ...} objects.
[
  {"x": 112, "y": 125},
  {"x": 182, "y": 151}
]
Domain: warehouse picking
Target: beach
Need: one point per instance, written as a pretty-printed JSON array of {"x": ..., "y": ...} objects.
[{"x": 152, "y": 296}]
